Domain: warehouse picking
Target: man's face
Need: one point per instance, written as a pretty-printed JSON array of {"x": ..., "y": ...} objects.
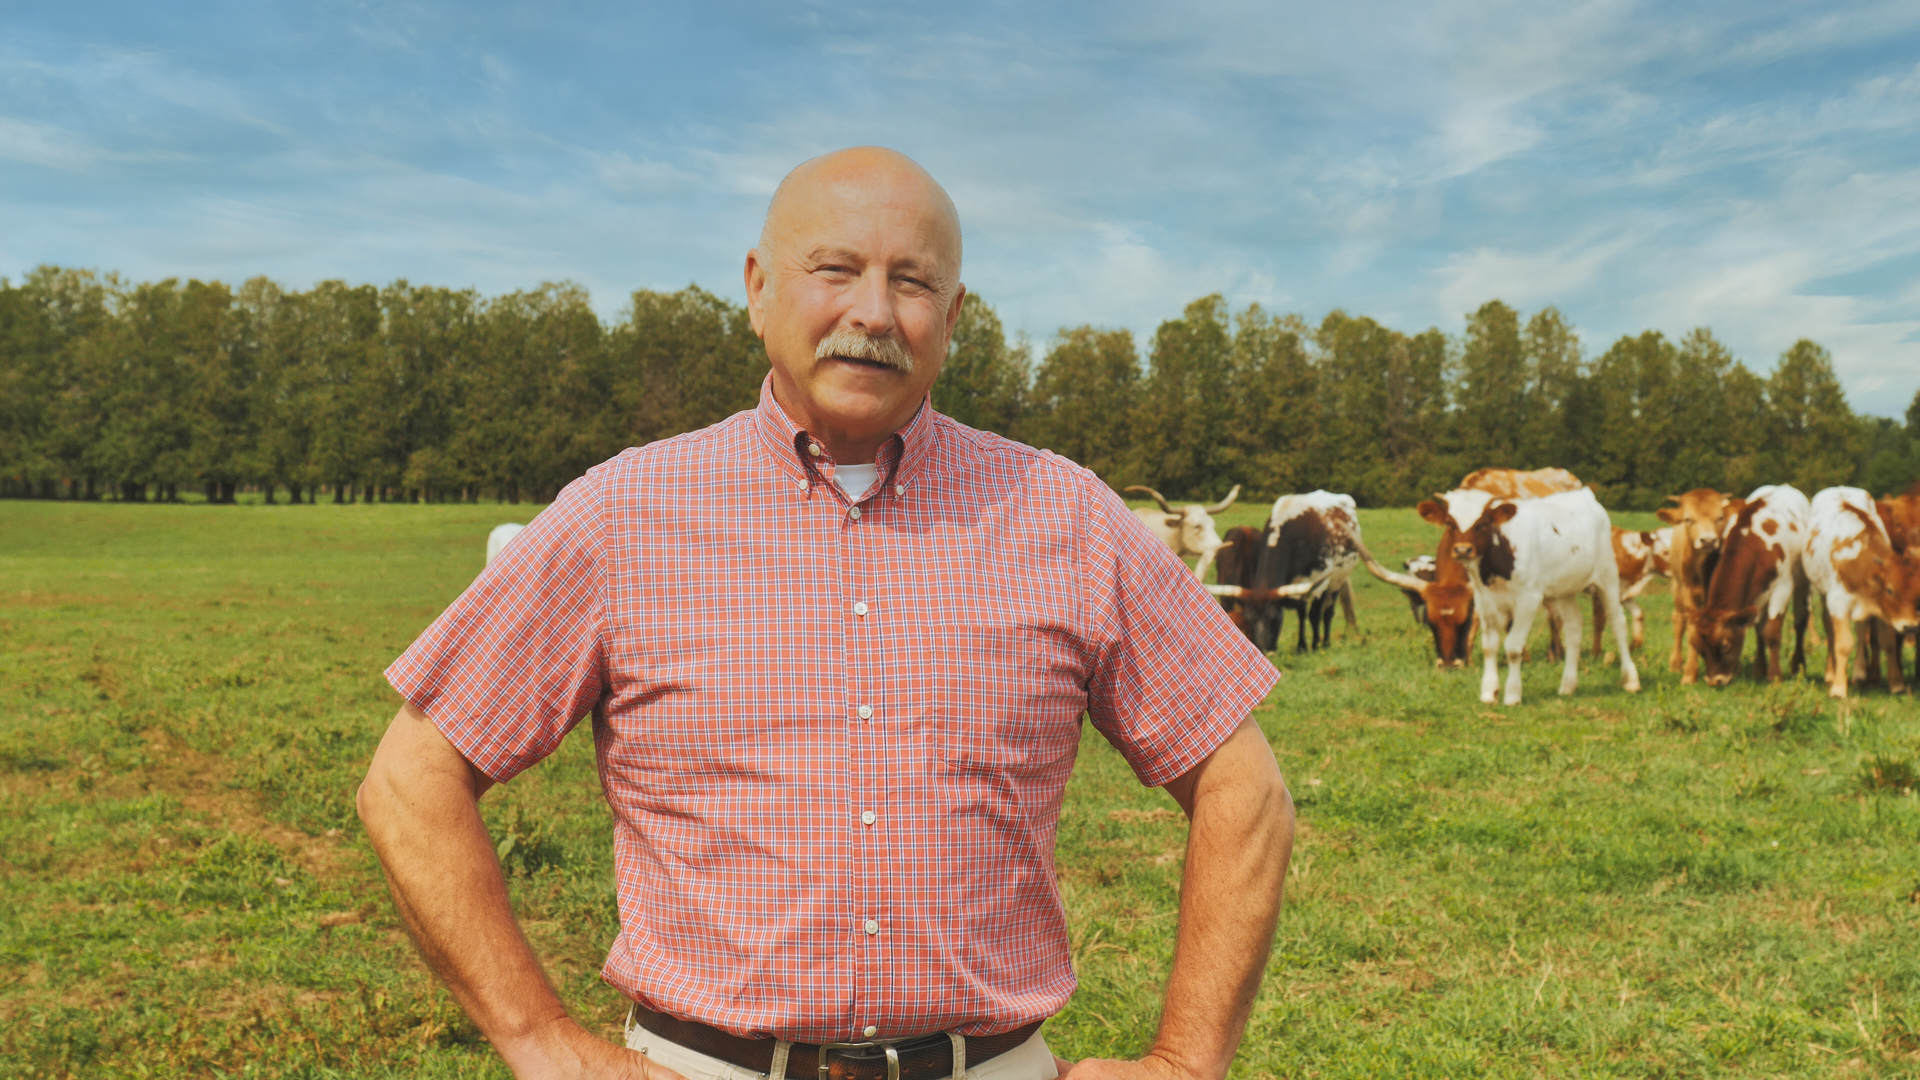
[{"x": 858, "y": 297}]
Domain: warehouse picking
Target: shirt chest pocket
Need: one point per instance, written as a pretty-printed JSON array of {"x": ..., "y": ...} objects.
[{"x": 1007, "y": 698}]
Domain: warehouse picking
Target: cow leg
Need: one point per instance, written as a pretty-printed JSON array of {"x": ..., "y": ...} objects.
[
  {"x": 1302, "y": 618},
  {"x": 1770, "y": 642},
  {"x": 1682, "y": 616},
  {"x": 1869, "y": 646},
  {"x": 1525, "y": 607},
  {"x": 1839, "y": 655},
  {"x": 1799, "y": 620},
  {"x": 1637, "y": 619},
  {"x": 1629, "y": 675},
  {"x": 1554, "y": 634},
  {"x": 1571, "y": 627},
  {"x": 1890, "y": 651},
  {"x": 1490, "y": 631},
  {"x": 1345, "y": 602}
]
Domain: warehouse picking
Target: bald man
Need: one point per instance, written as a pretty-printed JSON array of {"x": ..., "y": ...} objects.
[{"x": 836, "y": 650}]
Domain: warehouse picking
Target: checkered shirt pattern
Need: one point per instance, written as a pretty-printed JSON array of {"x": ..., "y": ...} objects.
[{"x": 835, "y": 736}]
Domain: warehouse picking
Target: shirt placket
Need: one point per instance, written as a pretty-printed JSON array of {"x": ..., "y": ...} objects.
[{"x": 874, "y": 718}]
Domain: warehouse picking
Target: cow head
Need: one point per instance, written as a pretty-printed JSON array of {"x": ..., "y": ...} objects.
[
  {"x": 1718, "y": 637},
  {"x": 1470, "y": 529},
  {"x": 1698, "y": 520},
  {"x": 1450, "y": 617}
]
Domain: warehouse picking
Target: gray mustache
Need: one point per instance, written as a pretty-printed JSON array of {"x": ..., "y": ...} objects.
[{"x": 858, "y": 346}]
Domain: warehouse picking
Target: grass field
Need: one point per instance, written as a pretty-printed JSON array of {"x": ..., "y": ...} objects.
[{"x": 1678, "y": 883}]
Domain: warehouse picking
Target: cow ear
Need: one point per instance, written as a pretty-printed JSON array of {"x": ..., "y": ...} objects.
[
  {"x": 1734, "y": 506},
  {"x": 1885, "y": 510},
  {"x": 1503, "y": 513},
  {"x": 1174, "y": 520},
  {"x": 1434, "y": 511},
  {"x": 1668, "y": 514}
]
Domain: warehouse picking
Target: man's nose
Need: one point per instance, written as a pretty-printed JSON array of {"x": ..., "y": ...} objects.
[{"x": 872, "y": 308}]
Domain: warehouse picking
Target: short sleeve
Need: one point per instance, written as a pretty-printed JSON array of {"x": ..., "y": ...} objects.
[
  {"x": 1174, "y": 677},
  {"x": 512, "y": 665}
]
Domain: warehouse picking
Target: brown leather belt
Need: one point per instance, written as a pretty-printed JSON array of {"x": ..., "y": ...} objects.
[{"x": 925, "y": 1057}]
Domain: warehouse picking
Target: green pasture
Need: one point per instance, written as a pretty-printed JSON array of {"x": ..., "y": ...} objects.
[{"x": 1678, "y": 883}]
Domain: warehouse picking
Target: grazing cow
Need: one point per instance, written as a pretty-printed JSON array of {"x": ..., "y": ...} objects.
[
  {"x": 1444, "y": 600},
  {"x": 1901, "y": 515},
  {"x": 1759, "y": 572},
  {"x": 1312, "y": 546},
  {"x": 1188, "y": 530},
  {"x": 497, "y": 539},
  {"x": 1526, "y": 553},
  {"x": 1515, "y": 484},
  {"x": 1851, "y": 562},
  {"x": 1697, "y": 523}
]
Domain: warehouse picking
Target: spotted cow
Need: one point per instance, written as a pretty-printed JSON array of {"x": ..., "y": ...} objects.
[
  {"x": 1758, "y": 574},
  {"x": 1852, "y": 565}
]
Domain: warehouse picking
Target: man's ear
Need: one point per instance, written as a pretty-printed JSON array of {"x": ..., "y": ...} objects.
[
  {"x": 757, "y": 282},
  {"x": 953, "y": 310}
]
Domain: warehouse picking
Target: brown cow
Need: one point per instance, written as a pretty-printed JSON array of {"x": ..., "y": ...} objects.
[
  {"x": 1759, "y": 573},
  {"x": 1901, "y": 515},
  {"x": 1641, "y": 556},
  {"x": 1697, "y": 523}
]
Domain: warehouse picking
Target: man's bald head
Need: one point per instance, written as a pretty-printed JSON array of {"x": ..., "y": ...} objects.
[{"x": 890, "y": 173}]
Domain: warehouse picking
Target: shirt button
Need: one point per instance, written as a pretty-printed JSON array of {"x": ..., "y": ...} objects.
[
  {"x": 867, "y": 817},
  {"x": 899, "y": 489},
  {"x": 803, "y": 485},
  {"x": 869, "y": 1031},
  {"x": 814, "y": 449},
  {"x": 854, "y": 513},
  {"x": 872, "y": 927},
  {"x": 866, "y": 712},
  {"x": 860, "y": 608}
]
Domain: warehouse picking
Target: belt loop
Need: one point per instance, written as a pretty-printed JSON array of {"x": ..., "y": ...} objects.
[
  {"x": 959, "y": 1055},
  {"x": 893, "y": 1062},
  {"x": 627, "y": 1028},
  {"x": 778, "y": 1070}
]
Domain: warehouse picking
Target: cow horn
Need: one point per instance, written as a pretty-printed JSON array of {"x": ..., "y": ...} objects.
[
  {"x": 1391, "y": 577},
  {"x": 1157, "y": 497},
  {"x": 1226, "y": 502}
]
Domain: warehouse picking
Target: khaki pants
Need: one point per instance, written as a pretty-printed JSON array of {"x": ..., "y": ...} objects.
[{"x": 1031, "y": 1060}]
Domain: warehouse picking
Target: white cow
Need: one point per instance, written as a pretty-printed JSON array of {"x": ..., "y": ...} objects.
[
  {"x": 1851, "y": 563},
  {"x": 1187, "y": 531},
  {"x": 1525, "y": 554},
  {"x": 497, "y": 539}
]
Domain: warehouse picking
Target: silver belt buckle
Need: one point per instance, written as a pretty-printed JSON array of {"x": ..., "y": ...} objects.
[{"x": 893, "y": 1056}]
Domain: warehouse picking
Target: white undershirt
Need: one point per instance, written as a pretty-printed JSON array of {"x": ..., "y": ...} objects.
[{"x": 856, "y": 479}]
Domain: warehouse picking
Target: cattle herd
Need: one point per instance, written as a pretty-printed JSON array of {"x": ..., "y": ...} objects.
[{"x": 1514, "y": 544}]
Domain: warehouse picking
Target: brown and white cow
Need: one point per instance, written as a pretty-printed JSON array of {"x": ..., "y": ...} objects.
[
  {"x": 1187, "y": 531},
  {"x": 1852, "y": 565},
  {"x": 1641, "y": 557},
  {"x": 1528, "y": 553},
  {"x": 1758, "y": 574},
  {"x": 1697, "y": 522},
  {"x": 1312, "y": 545},
  {"x": 1518, "y": 484},
  {"x": 1447, "y": 597}
]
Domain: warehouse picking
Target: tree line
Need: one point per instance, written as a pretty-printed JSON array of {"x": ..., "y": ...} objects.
[{"x": 137, "y": 391}]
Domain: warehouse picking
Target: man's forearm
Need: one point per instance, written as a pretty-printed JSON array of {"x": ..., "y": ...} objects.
[
  {"x": 419, "y": 803},
  {"x": 1238, "y": 844}
]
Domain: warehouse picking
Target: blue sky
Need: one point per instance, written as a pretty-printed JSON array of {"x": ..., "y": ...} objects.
[{"x": 1753, "y": 167}]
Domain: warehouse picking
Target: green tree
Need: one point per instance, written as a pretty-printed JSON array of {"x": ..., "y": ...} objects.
[
  {"x": 1083, "y": 400},
  {"x": 1273, "y": 441},
  {"x": 1187, "y": 403},
  {"x": 983, "y": 383},
  {"x": 1493, "y": 391},
  {"x": 1812, "y": 437}
]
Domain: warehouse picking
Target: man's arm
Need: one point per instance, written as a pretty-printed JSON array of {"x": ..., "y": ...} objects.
[
  {"x": 420, "y": 803},
  {"x": 1238, "y": 844}
]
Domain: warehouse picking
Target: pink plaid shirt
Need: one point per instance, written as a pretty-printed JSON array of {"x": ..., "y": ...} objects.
[{"x": 835, "y": 736}]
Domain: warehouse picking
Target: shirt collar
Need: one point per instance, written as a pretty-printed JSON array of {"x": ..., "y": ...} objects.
[{"x": 789, "y": 444}]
